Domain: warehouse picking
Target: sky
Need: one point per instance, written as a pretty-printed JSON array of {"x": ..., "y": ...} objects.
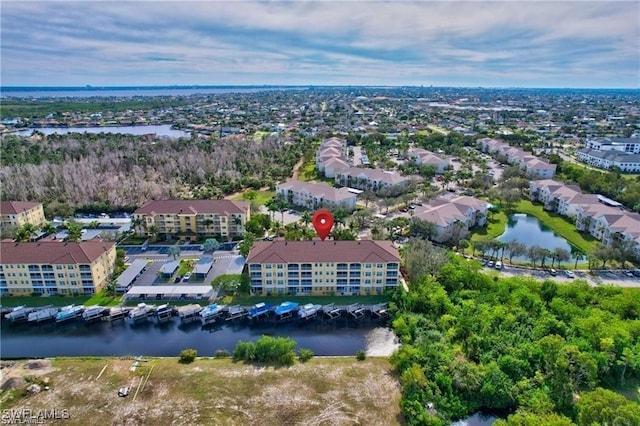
[{"x": 440, "y": 43}]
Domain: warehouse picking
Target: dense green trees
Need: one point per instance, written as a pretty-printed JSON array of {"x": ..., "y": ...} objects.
[
  {"x": 267, "y": 349},
  {"x": 513, "y": 345}
]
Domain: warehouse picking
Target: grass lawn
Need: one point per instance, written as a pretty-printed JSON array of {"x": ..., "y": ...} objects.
[
  {"x": 496, "y": 224},
  {"x": 322, "y": 391},
  {"x": 44, "y": 301},
  {"x": 186, "y": 265},
  {"x": 308, "y": 171},
  {"x": 262, "y": 197},
  {"x": 322, "y": 300},
  {"x": 559, "y": 224},
  {"x": 98, "y": 299},
  {"x": 133, "y": 240}
]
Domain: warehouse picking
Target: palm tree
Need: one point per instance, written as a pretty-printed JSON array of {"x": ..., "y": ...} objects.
[
  {"x": 74, "y": 231},
  {"x": 48, "y": 228},
  {"x": 305, "y": 218},
  {"x": 463, "y": 244},
  {"x": 26, "y": 232},
  {"x": 516, "y": 248},
  {"x": 174, "y": 251}
]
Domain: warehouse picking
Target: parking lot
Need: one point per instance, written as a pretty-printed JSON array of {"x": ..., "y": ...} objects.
[{"x": 225, "y": 262}]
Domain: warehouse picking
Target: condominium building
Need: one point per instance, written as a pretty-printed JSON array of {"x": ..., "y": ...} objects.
[
  {"x": 607, "y": 159},
  {"x": 629, "y": 145},
  {"x": 423, "y": 157},
  {"x": 370, "y": 179},
  {"x": 17, "y": 213},
  {"x": 533, "y": 166},
  {"x": 331, "y": 157},
  {"x": 316, "y": 195},
  {"x": 451, "y": 214},
  {"x": 51, "y": 267},
  {"x": 191, "y": 219},
  {"x": 323, "y": 267},
  {"x": 604, "y": 219}
]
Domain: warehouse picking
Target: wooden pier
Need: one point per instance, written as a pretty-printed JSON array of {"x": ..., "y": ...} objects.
[
  {"x": 117, "y": 313},
  {"x": 380, "y": 310},
  {"x": 356, "y": 310},
  {"x": 331, "y": 311}
]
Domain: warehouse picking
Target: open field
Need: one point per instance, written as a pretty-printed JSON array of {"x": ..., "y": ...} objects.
[
  {"x": 262, "y": 197},
  {"x": 323, "y": 391}
]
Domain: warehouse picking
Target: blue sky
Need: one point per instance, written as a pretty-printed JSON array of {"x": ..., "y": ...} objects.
[{"x": 478, "y": 43}]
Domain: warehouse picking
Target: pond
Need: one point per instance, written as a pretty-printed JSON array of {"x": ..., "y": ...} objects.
[{"x": 529, "y": 231}]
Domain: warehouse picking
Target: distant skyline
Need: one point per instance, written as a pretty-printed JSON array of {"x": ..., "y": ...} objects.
[{"x": 579, "y": 44}]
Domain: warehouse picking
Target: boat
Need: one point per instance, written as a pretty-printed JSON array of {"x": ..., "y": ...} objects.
[
  {"x": 44, "y": 314},
  {"x": 69, "y": 312},
  {"x": 141, "y": 311},
  {"x": 189, "y": 311},
  {"x": 285, "y": 309},
  {"x": 164, "y": 312},
  {"x": 94, "y": 312},
  {"x": 308, "y": 311},
  {"x": 211, "y": 312},
  {"x": 236, "y": 312},
  {"x": 19, "y": 313},
  {"x": 117, "y": 313},
  {"x": 259, "y": 309}
]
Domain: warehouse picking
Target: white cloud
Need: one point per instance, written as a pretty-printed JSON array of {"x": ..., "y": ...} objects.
[{"x": 206, "y": 41}]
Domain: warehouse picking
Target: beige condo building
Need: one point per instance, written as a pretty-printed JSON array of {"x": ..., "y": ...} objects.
[
  {"x": 192, "y": 219},
  {"x": 323, "y": 267},
  {"x": 17, "y": 213},
  {"x": 51, "y": 267}
]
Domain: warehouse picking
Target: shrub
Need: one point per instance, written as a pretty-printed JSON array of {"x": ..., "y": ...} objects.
[
  {"x": 244, "y": 351},
  {"x": 305, "y": 354},
  {"x": 221, "y": 353},
  {"x": 187, "y": 356},
  {"x": 361, "y": 355},
  {"x": 277, "y": 350}
]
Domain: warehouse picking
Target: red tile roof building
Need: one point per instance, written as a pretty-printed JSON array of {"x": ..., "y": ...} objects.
[
  {"x": 323, "y": 267},
  {"x": 52, "y": 267}
]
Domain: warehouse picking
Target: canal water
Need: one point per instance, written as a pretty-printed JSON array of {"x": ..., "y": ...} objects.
[
  {"x": 529, "y": 231},
  {"x": 123, "y": 338}
]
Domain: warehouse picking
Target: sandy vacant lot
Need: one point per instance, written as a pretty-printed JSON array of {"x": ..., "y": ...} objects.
[{"x": 323, "y": 391}]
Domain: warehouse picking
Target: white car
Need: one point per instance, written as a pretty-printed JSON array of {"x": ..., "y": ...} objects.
[
  {"x": 498, "y": 265},
  {"x": 569, "y": 274},
  {"x": 187, "y": 276}
]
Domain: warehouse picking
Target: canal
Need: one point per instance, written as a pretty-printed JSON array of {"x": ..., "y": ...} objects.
[{"x": 342, "y": 337}]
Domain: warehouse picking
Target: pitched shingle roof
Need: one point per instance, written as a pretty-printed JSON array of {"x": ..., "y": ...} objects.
[
  {"x": 323, "y": 251},
  {"x": 221, "y": 207},
  {"x": 15, "y": 207},
  {"x": 52, "y": 252}
]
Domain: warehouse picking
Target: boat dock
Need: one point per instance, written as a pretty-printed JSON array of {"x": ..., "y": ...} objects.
[
  {"x": 258, "y": 312},
  {"x": 236, "y": 312},
  {"x": 188, "y": 312},
  {"x": 46, "y": 313}
]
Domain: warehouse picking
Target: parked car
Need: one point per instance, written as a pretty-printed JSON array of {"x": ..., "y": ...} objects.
[
  {"x": 553, "y": 272},
  {"x": 569, "y": 274},
  {"x": 628, "y": 273},
  {"x": 187, "y": 276},
  {"x": 498, "y": 265},
  {"x": 491, "y": 264},
  {"x": 636, "y": 272},
  {"x": 123, "y": 391}
]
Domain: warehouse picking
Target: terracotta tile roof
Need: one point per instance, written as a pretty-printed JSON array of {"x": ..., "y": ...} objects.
[
  {"x": 221, "y": 207},
  {"x": 52, "y": 252},
  {"x": 318, "y": 190},
  {"x": 15, "y": 207},
  {"x": 368, "y": 251}
]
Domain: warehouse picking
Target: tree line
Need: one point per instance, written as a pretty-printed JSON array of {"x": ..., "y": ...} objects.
[
  {"x": 515, "y": 346},
  {"x": 128, "y": 170}
]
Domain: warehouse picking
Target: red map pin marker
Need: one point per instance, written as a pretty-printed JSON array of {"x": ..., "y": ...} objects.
[{"x": 323, "y": 222}]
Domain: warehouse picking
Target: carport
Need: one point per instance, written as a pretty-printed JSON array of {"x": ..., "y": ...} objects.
[
  {"x": 169, "y": 292},
  {"x": 169, "y": 268},
  {"x": 203, "y": 267}
]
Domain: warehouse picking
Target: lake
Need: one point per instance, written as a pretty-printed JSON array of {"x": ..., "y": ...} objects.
[
  {"x": 529, "y": 231},
  {"x": 123, "y": 338},
  {"x": 160, "y": 130}
]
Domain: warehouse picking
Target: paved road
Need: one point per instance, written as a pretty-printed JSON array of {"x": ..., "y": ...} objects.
[{"x": 597, "y": 278}]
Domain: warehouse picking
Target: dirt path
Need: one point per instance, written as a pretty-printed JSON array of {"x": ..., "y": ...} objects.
[{"x": 296, "y": 168}]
